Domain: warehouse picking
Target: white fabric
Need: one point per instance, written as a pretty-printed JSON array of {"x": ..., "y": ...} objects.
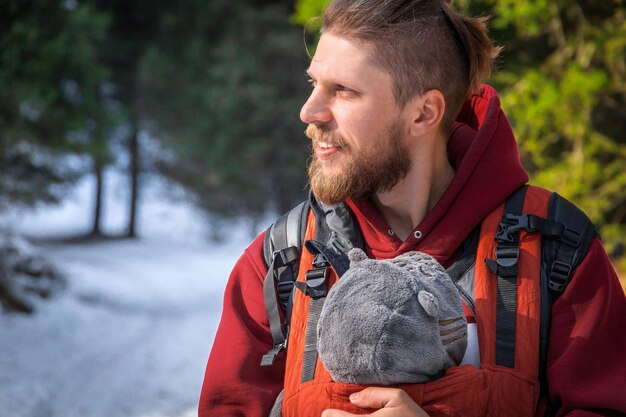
[{"x": 472, "y": 353}]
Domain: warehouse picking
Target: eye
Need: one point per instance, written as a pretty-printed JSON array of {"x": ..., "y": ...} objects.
[
  {"x": 345, "y": 91},
  {"x": 311, "y": 81}
]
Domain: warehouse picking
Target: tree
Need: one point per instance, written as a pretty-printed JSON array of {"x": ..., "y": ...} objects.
[
  {"x": 49, "y": 74},
  {"x": 233, "y": 123},
  {"x": 49, "y": 107},
  {"x": 134, "y": 27}
]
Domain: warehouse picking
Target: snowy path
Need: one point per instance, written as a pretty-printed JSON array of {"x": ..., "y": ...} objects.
[{"x": 129, "y": 336}]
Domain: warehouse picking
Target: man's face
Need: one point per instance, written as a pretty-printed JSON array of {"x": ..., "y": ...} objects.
[{"x": 356, "y": 127}]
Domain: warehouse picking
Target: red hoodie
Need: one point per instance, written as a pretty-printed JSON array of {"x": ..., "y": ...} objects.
[{"x": 586, "y": 360}]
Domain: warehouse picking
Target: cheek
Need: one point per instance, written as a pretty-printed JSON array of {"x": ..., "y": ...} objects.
[{"x": 359, "y": 127}]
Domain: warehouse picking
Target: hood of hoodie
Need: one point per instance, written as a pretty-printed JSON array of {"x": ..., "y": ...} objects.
[{"x": 484, "y": 154}]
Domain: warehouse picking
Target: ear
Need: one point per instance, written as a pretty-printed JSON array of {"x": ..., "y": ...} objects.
[
  {"x": 429, "y": 302},
  {"x": 356, "y": 255},
  {"x": 425, "y": 113}
]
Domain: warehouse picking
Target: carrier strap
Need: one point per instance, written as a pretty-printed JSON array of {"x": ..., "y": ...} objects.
[
  {"x": 567, "y": 234},
  {"x": 287, "y": 234},
  {"x": 506, "y": 267},
  {"x": 314, "y": 287},
  {"x": 309, "y": 361},
  {"x": 334, "y": 237}
]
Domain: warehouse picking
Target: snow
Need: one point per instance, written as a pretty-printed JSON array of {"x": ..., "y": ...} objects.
[{"x": 131, "y": 333}]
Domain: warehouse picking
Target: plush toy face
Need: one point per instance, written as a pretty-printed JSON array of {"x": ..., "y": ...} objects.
[{"x": 391, "y": 321}]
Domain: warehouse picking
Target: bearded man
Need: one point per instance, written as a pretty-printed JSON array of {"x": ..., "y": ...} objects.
[{"x": 408, "y": 139}]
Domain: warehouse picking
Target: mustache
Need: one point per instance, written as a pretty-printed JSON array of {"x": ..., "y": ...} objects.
[{"x": 317, "y": 134}]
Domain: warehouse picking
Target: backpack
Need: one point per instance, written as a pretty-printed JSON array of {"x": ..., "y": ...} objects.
[{"x": 567, "y": 234}]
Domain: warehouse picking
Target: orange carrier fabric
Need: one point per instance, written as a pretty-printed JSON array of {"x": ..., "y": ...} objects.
[{"x": 490, "y": 390}]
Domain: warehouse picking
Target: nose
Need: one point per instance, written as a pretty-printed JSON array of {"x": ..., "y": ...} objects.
[{"x": 316, "y": 110}]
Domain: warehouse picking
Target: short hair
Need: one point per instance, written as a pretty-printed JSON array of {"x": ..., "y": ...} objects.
[{"x": 424, "y": 44}]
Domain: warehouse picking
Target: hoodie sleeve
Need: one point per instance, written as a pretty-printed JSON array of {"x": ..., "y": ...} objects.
[
  {"x": 234, "y": 383},
  {"x": 586, "y": 356}
]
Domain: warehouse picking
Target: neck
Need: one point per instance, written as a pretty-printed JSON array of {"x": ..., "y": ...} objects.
[{"x": 409, "y": 201}]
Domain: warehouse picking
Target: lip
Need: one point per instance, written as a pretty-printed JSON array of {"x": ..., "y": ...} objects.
[{"x": 326, "y": 152}]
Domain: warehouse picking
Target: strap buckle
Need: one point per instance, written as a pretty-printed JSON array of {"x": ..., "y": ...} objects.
[
  {"x": 270, "y": 357},
  {"x": 559, "y": 275},
  {"x": 315, "y": 286},
  {"x": 283, "y": 289},
  {"x": 285, "y": 256},
  {"x": 571, "y": 237},
  {"x": 510, "y": 224},
  {"x": 507, "y": 256},
  {"x": 505, "y": 264},
  {"x": 316, "y": 282}
]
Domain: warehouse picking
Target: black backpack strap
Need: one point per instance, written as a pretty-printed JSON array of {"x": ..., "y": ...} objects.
[
  {"x": 282, "y": 246},
  {"x": 505, "y": 267},
  {"x": 564, "y": 245},
  {"x": 566, "y": 249}
]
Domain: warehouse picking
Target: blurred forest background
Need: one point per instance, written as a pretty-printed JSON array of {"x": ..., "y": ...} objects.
[{"x": 217, "y": 86}]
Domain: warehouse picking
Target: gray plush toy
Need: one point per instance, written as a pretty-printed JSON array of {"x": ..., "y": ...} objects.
[{"x": 390, "y": 322}]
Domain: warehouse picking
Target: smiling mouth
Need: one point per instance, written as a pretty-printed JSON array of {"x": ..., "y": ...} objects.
[
  {"x": 325, "y": 151},
  {"x": 326, "y": 145}
]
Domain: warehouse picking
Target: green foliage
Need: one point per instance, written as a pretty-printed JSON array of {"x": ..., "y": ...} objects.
[
  {"x": 46, "y": 68},
  {"x": 563, "y": 84},
  {"x": 234, "y": 125},
  {"x": 308, "y": 9},
  {"x": 49, "y": 76},
  {"x": 308, "y": 14},
  {"x": 562, "y": 81}
]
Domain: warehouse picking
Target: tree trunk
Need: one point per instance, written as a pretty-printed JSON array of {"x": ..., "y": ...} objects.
[
  {"x": 133, "y": 150},
  {"x": 97, "y": 214},
  {"x": 133, "y": 140}
]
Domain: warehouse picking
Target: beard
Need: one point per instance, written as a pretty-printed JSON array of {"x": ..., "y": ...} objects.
[{"x": 376, "y": 169}]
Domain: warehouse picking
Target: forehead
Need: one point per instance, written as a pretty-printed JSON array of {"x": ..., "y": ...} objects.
[{"x": 338, "y": 57}]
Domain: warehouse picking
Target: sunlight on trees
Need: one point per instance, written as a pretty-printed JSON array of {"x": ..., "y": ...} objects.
[{"x": 562, "y": 81}]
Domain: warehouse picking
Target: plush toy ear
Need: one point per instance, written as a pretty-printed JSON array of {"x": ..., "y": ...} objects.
[
  {"x": 429, "y": 302},
  {"x": 356, "y": 255}
]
